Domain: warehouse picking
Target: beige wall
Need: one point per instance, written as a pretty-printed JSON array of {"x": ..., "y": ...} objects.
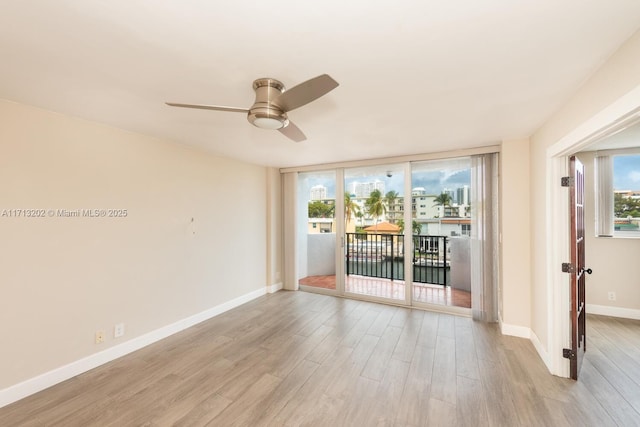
[
  {"x": 516, "y": 242},
  {"x": 617, "y": 77},
  {"x": 61, "y": 279},
  {"x": 617, "y": 273}
]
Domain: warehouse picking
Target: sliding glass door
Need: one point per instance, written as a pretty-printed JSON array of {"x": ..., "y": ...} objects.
[
  {"x": 413, "y": 233},
  {"x": 317, "y": 228},
  {"x": 441, "y": 199},
  {"x": 374, "y": 245}
]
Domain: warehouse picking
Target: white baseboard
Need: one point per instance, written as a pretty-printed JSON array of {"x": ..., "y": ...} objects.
[
  {"x": 274, "y": 288},
  {"x": 605, "y": 310},
  {"x": 524, "y": 332},
  {"x": 63, "y": 373},
  {"x": 515, "y": 331},
  {"x": 542, "y": 352}
]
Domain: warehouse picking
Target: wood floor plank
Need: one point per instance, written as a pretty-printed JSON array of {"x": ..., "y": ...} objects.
[
  {"x": 465, "y": 353},
  {"x": 342, "y": 385},
  {"x": 446, "y": 326},
  {"x": 295, "y": 358},
  {"x": 428, "y": 330},
  {"x": 471, "y": 404},
  {"x": 360, "y": 327},
  {"x": 240, "y": 411},
  {"x": 618, "y": 408},
  {"x": 529, "y": 404},
  {"x": 610, "y": 338},
  {"x": 413, "y": 408},
  {"x": 377, "y": 364},
  {"x": 306, "y": 399},
  {"x": 379, "y": 326},
  {"x": 411, "y": 324},
  {"x": 599, "y": 358},
  {"x": 278, "y": 399},
  {"x": 389, "y": 392},
  {"x": 498, "y": 392},
  {"x": 441, "y": 414},
  {"x": 443, "y": 387}
]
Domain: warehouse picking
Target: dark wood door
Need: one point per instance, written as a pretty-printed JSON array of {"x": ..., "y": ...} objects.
[{"x": 578, "y": 314}]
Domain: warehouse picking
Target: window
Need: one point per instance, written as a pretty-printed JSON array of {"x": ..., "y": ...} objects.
[{"x": 618, "y": 195}]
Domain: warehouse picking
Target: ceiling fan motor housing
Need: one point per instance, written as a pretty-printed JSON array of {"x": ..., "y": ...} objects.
[{"x": 264, "y": 113}]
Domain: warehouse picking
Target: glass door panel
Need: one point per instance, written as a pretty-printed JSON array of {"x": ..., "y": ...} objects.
[
  {"x": 316, "y": 230},
  {"x": 441, "y": 213},
  {"x": 374, "y": 228}
]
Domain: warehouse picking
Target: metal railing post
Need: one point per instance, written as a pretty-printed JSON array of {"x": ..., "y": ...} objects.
[{"x": 444, "y": 262}]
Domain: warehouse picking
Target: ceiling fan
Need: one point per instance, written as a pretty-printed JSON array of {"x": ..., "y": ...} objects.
[{"x": 273, "y": 102}]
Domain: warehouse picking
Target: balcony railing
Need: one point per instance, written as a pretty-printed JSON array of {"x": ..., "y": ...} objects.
[{"x": 382, "y": 256}]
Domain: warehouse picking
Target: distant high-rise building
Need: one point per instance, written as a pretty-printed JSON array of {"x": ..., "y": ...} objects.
[
  {"x": 462, "y": 195},
  {"x": 451, "y": 193},
  {"x": 364, "y": 189},
  {"x": 318, "y": 192}
]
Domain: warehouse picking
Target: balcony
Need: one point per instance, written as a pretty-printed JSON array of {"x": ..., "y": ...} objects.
[
  {"x": 382, "y": 256},
  {"x": 374, "y": 266}
]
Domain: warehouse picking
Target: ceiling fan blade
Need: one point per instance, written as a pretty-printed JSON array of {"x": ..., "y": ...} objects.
[
  {"x": 305, "y": 92},
  {"x": 293, "y": 132},
  {"x": 210, "y": 107}
]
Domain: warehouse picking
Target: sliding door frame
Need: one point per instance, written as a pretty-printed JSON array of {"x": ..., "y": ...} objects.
[{"x": 406, "y": 161}]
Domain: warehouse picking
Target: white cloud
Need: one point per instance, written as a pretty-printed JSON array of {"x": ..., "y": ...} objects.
[{"x": 634, "y": 176}]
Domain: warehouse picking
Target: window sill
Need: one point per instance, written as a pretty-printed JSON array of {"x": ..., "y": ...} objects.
[{"x": 622, "y": 235}]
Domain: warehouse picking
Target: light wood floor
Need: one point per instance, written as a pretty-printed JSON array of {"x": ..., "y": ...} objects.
[{"x": 297, "y": 358}]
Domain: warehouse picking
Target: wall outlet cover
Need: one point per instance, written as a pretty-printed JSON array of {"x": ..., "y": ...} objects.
[{"x": 118, "y": 330}]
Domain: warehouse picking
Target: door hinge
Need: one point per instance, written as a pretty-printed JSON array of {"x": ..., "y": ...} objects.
[
  {"x": 566, "y": 181},
  {"x": 568, "y": 353},
  {"x": 567, "y": 267}
]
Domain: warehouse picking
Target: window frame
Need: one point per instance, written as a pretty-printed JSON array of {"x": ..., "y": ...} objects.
[{"x": 604, "y": 167}]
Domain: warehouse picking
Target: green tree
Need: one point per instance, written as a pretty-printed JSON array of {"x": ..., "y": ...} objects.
[
  {"x": 319, "y": 209},
  {"x": 416, "y": 228},
  {"x": 375, "y": 206},
  {"x": 624, "y": 207},
  {"x": 444, "y": 199},
  {"x": 351, "y": 208},
  {"x": 390, "y": 200}
]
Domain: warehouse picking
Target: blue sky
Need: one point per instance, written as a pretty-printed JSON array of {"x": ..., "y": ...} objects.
[
  {"x": 626, "y": 172},
  {"x": 434, "y": 176}
]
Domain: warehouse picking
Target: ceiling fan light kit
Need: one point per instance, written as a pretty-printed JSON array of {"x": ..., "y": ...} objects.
[{"x": 269, "y": 110}]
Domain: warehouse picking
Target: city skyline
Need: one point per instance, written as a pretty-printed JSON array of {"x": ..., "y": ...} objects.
[{"x": 434, "y": 181}]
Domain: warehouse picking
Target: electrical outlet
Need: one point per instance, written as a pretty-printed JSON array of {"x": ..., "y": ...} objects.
[
  {"x": 118, "y": 330},
  {"x": 612, "y": 296},
  {"x": 99, "y": 337}
]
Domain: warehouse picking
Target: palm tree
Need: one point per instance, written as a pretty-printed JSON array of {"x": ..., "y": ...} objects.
[
  {"x": 351, "y": 208},
  {"x": 390, "y": 200},
  {"x": 375, "y": 206},
  {"x": 444, "y": 199},
  {"x": 416, "y": 228}
]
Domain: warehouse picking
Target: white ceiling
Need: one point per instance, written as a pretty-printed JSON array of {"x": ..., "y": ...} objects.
[{"x": 415, "y": 76}]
